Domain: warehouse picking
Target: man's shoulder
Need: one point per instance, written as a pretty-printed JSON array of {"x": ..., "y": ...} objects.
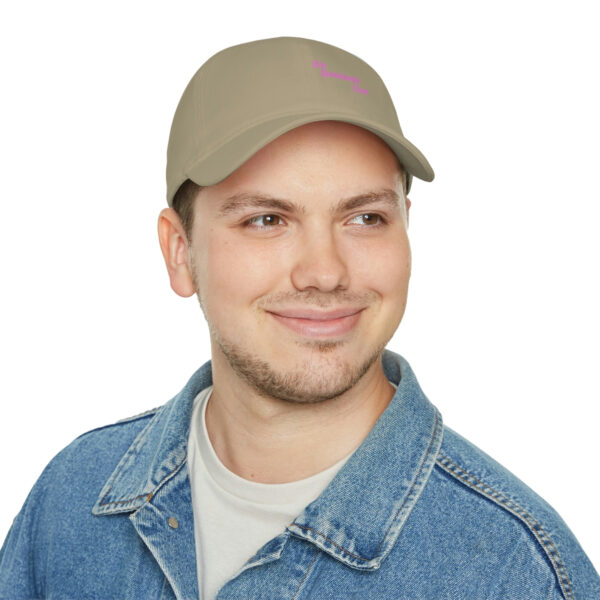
[
  {"x": 93, "y": 455},
  {"x": 122, "y": 426},
  {"x": 477, "y": 471},
  {"x": 107, "y": 440},
  {"x": 483, "y": 486},
  {"x": 58, "y": 510},
  {"x": 87, "y": 461}
]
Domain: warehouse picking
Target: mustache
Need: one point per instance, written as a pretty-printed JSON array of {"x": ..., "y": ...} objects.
[{"x": 316, "y": 298}]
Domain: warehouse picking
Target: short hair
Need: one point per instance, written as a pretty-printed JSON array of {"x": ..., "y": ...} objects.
[
  {"x": 183, "y": 204},
  {"x": 186, "y": 194}
]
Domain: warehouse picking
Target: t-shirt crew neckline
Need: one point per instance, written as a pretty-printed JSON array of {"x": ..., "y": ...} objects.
[{"x": 254, "y": 491}]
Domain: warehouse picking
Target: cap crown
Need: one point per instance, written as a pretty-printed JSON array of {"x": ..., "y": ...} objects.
[{"x": 247, "y": 95}]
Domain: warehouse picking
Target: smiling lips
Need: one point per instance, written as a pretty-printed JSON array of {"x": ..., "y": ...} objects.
[{"x": 319, "y": 324}]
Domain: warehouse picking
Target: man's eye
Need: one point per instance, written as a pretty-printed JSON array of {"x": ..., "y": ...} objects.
[
  {"x": 264, "y": 221},
  {"x": 367, "y": 219}
]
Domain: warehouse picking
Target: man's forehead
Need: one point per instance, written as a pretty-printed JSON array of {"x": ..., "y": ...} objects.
[
  {"x": 332, "y": 158},
  {"x": 331, "y": 135}
]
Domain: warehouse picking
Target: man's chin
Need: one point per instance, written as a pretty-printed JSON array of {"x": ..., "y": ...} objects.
[
  {"x": 319, "y": 378},
  {"x": 304, "y": 390}
]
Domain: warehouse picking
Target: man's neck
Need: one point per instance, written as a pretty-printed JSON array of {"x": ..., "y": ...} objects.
[{"x": 269, "y": 440}]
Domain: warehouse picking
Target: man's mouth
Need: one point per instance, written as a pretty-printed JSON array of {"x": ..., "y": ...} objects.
[{"x": 310, "y": 322}]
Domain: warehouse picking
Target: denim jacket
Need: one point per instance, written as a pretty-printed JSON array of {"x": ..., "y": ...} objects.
[{"x": 416, "y": 513}]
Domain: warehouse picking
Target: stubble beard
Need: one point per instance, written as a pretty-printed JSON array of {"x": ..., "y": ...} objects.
[
  {"x": 311, "y": 382},
  {"x": 318, "y": 379}
]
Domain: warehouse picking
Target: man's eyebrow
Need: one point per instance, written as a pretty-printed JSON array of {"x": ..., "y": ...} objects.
[
  {"x": 244, "y": 200},
  {"x": 386, "y": 196}
]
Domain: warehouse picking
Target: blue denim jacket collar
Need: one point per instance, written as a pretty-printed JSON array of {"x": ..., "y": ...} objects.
[
  {"x": 157, "y": 453},
  {"x": 356, "y": 519},
  {"x": 359, "y": 515}
]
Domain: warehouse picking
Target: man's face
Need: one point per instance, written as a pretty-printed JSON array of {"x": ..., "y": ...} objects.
[{"x": 301, "y": 262}]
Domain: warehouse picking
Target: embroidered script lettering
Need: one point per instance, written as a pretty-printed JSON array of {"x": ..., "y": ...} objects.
[{"x": 317, "y": 64}]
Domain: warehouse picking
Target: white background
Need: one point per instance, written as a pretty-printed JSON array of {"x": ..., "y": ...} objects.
[{"x": 502, "y": 325}]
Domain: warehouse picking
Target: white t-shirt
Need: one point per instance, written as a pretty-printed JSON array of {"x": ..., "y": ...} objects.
[{"x": 234, "y": 517}]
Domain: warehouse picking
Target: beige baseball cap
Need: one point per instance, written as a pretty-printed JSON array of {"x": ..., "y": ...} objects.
[{"x": 247, "y": 95}]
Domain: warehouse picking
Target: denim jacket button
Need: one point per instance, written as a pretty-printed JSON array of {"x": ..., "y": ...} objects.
[{"x": 173, "y": 522}]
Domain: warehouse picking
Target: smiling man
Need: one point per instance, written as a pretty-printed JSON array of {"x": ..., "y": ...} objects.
[{"x": 303, "y": 460}]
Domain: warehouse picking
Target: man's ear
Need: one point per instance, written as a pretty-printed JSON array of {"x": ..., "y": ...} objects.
[
  {"x": 408, "y": 203},
  {"x": 174, "y": 247}
]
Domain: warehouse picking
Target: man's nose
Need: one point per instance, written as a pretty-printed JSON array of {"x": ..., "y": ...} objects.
[{"x": 319, "y": 262}]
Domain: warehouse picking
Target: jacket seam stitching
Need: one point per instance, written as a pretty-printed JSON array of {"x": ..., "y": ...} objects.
[
  {"x": 307, "y": 528},
  {"x": 149, "y": 495},
  {"x": 305, "y": 576},
  {"x": 393, "y": 520},
  {"x": 540, "y": 534}
]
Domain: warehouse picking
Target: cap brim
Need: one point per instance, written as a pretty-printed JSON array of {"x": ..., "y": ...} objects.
[{"x": 220, "y": 162}]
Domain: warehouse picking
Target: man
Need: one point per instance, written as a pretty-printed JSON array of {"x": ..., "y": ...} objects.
[{"x": 303, "y": 461}]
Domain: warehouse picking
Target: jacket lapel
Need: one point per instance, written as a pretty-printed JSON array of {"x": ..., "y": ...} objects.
[{"x": 152, "y": 483}]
